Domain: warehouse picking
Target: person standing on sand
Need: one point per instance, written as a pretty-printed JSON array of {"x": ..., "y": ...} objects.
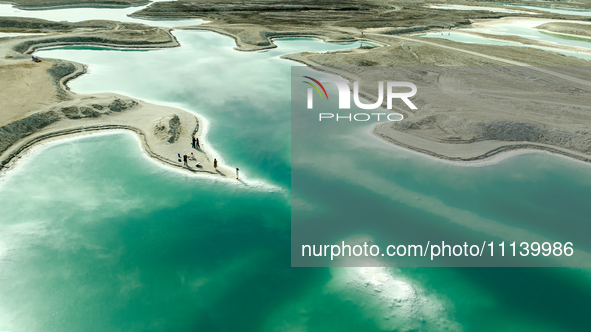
[
  {"x": 215, "y": 163},
  {"x": 237, "y": 173},
  {"x": 185, "y": 159},
  {"x": 193, "y": 142}
]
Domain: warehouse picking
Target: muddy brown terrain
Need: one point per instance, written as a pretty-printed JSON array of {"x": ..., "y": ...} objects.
[{"x": 568, "y": 28}]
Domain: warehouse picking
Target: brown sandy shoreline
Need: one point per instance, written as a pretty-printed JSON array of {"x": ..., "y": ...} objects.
[
  {"x": 471, "y": 153},
  {"x": 266, "y": 42},
  {"x": 140, "y": 119},
  {"x": 40, "y": 107}
]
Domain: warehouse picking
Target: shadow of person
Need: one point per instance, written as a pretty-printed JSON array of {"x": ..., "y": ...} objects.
[{"x": 241, "y": 181}]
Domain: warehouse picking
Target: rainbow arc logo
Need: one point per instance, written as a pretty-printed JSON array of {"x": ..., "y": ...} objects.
[{"x": 316, "y": 87}]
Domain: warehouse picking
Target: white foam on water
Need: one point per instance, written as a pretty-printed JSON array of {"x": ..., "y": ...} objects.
[{"x": 394, "y": 303}]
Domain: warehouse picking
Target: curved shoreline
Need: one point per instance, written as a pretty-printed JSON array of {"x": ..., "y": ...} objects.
[
  {"x": 74, "y": 133},
  {"x": 156, "y": 147},
  {"x": 89, "y": 41},
  {"x": 479, "y": 158},
  {"x": 106, "y": 112},
  {"x": 267, "y": 36}
]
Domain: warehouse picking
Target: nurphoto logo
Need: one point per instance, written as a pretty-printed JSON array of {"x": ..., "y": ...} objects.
[{"x": 345, "y": 97}]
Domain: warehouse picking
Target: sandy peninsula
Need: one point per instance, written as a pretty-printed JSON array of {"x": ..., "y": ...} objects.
[{"x": 37, "y": 105}]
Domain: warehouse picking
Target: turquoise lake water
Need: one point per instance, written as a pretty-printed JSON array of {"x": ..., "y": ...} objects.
[{"x": 94, "y": 236}]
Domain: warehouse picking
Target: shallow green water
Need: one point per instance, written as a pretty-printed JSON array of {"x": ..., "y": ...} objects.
[{"x": 94, "y": 236}]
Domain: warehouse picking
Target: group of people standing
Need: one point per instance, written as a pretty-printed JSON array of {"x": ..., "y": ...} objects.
[{"x": 195, "y": 144}]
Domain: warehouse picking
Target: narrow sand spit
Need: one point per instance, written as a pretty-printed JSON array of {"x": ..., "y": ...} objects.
[{"x": 36, "y": 106}]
